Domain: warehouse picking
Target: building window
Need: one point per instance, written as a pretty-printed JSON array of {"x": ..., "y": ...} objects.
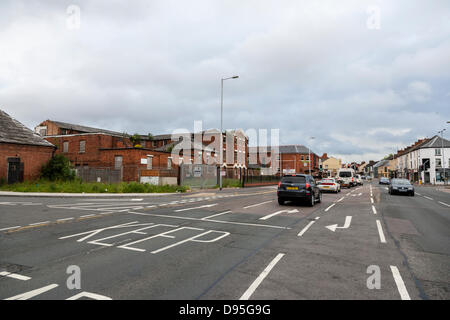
[
  {"x": 82, "y": 146},
  {"x": 169, "y": 163},
  {"x": 149, "y": 162},
  {"x": 438, "y": 163},
  {"x": 437, "y": 152},
  {"x": 66, "y": 146},
  {"x": 118, "y": 162}
]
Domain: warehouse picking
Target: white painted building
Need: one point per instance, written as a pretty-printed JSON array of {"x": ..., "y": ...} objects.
[{"x": 426, "y": 161}]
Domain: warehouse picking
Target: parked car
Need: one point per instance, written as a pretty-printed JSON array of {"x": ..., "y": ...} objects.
[
  {"x": 402, "y": 186},
  {"x": 358, "y": 180},
  {"x": 347, "y": 176},
  {"x": 298, "y": 187},
  {"x": 329, "y": 184},
  {"x": 384, "y": 180}
]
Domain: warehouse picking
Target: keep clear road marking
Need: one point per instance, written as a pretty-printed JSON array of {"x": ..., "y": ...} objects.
[
  {"x": 33, "y": 293},
  {"x": 374, "y": 210},
  {"x": 204, "y": 206},
  {"x": 247, "y": 294},
  {"x": 307, "y": 227},
  {"x": 258, "y": 204},
  {"x": 330, "y": 207},
  {"x": 400, "y": 284},
  {"x": 380, "y": 232},
  {"x": 277, "y": 213},
  {"x": 14, "y": 276}
]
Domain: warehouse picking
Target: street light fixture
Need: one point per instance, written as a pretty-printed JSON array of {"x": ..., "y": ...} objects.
[{"x": 221, "y": 128}]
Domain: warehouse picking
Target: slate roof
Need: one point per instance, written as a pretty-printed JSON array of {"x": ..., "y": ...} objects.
[
  {"x": 435, "y": 142},
  {"x": 295, "y": 148},
  {"x": 12, "y": 131},
  {"x": 84, "y": 129},
  {"x": 381, "y": 163}
]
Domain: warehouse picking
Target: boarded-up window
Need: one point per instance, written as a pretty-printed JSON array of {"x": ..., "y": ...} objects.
[
  {"x": 149, "y": 162},
  {"x": 169, "y": 163},
  {"x": 82, "y": 146},
  {"x": 66, "y": 146},
  {"x": 117, "y": 162}
]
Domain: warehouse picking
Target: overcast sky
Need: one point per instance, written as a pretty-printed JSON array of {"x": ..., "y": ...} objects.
[{"x": 362, "y": 77}]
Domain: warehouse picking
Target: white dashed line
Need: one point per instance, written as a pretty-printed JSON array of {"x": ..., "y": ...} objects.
[
  {"x": 14, "y": 276},
  {"x": 428, "y": 198},
  {"x": 9, "y": 228},
  {"x": 374, "y": 210},
  {"x": 330, "y": 207},
  {"x": 261, "y": 277},
  {"x": 448, "y": 205},
  {"x": 37, "y": 223},
  {"x": 258, "y": 204},
  {"x": 380, "y": 232},
  {"x": 307, "y": 227},
  {"x": 400, "y": 284},
  {"x": 87, "y": 215},
  {"x": 65, "y": 219}
]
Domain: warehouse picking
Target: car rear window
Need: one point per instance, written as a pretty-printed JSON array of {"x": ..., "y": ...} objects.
[
  {"x": 345, "y": 174},
  {"x": 293, "y": 180}
]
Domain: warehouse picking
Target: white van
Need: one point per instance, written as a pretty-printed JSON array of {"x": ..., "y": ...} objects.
[{"x": 347, "y": 177}]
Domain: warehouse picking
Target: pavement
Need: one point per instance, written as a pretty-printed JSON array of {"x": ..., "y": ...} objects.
[{"x": 361, "y": 243}]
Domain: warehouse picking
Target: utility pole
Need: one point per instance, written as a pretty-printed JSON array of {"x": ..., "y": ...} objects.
[{"x": 442, "y": 145}]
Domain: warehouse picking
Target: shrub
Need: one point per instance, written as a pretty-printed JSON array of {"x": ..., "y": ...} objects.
[{"x": 58, "y": 168}]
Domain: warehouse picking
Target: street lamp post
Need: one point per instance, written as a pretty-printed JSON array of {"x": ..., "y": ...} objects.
[
  {"x": 309, "y": 154},
  {"x": 442, "y": 145},
  {"x": 221, "y": 128}
]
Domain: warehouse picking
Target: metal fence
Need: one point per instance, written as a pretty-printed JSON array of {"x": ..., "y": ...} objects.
[
  {"x": 105, "y": 175},
  {"x": 198, "y": 175},
  {"x": 256, "y": 177}
]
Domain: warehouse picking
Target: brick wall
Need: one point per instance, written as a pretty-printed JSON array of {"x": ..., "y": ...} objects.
[{"x": 33, "y": 157}]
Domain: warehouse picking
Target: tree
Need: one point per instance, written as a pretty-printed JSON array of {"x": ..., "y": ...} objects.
[
  {"x": 150, "y": 136},
  {"x": 135, "y": 139},
  {"x": 58, "y": 168}
]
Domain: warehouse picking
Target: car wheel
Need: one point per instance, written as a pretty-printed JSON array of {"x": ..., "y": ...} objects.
[
  {"x": 280, "y": 201},
  {"x": 412, "y": 194},
  {"x": 312, "y": 201},
  {"x": 320, "y": 198}
]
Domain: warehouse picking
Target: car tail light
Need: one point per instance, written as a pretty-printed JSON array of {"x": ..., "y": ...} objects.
[
  {"x": 327, "y": 184},
  {"x": 307, "y": 186},
  {"x": 279, "y": 184}
]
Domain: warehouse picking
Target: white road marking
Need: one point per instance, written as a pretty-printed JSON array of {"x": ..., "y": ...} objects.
[
  {"x": 258, "y": 204},
  {"x": 428, "y": 198},
  {"x": 333, "y": 227},
  {"x": 14, "y": 276},
  {"x": 380, "y": 232},
  {"x": 247, "y": 294},
  {"x": 340, "y": 199},
  {"x": 215, "y": 215},
  {"x": 89, "y": 295},
  {"x": 330, "y": 207},
  {"x": 87, "y": 215},
  {"x": 371, "y": 199},
  {"x": 400, "y": 284},
  {"x": 204, "y": 206},
  {"x": 307, "y": 227},
  {"x": 32, "y": 293},
  {"x": 137, "y": 199},
  {"x": 277, "y": 213},
  {"x": 448, "y": 205},
  {"x": 374, "y": 210},
  {"x": 217, "y": 221},
  {"x": 65, "y": 219},
  {"x": 418, "y": 193},
  {"x": 10, "y": 228},
  {"x": 37, "y": 223}
]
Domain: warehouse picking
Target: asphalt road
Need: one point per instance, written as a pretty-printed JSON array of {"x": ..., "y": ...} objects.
[{"x": 236, "y": 244}]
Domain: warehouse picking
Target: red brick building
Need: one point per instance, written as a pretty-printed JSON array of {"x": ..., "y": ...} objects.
[
  {"x": 88, "y": 147},
  {"x": 22, "y": 152}
]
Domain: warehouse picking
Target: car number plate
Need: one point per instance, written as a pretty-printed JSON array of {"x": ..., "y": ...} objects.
[
  {"x": 292, "y": 188},
  {"x": 326, "y": 187}
]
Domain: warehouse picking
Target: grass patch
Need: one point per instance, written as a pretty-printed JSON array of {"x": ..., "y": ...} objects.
[
  {"x": 92, "y": 187},
  {"x": 230, "y": 183}
]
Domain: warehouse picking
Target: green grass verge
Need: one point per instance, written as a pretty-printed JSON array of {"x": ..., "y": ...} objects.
[
  {"x": 93, "y": 187},
  {"x": 230, "y": 183}
]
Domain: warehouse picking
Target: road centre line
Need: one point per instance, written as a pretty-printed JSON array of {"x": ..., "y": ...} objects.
[
  {"x": 65, "y": 219},
  {"x": 428, "y": 198},
  {"x": 448, "y": 205},
  {"x": 215, "y": 215},
  {"x": 87, "y": 215},
  {"x": 400, "y": 284},
  {"x": 330, "y": 207},
  {"x": 340, "y": 199},
  {"x": 37, "y": 223},
  {"x": 248, "y": 293},
  {"x": 380, "y": 232},
  {"x": 10, "y": 228},
  {"x": 209, "y": 220},
  {"x": 307, "y": 227},
  {"x": 371, "y": 199},
  {"x": 14, "y": 276},
  {"x": 418, "y": 193},
  {"x": 374, "y": 210},
  {"x": 258, "y": 204}
]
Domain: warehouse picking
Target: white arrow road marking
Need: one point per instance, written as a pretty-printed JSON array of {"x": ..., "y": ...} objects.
[
  {"x": 85, "y": 294},
  {"x": 333, "y": 227},
  {"x": 277, "y": 213},
  {"x": 33, "y": 293},
  {"x": 247, "y": 294},
  {"x": 400, "y": 284},
  {"x": 204, "y": 206},
  {"x": 307, "y": 227}
]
